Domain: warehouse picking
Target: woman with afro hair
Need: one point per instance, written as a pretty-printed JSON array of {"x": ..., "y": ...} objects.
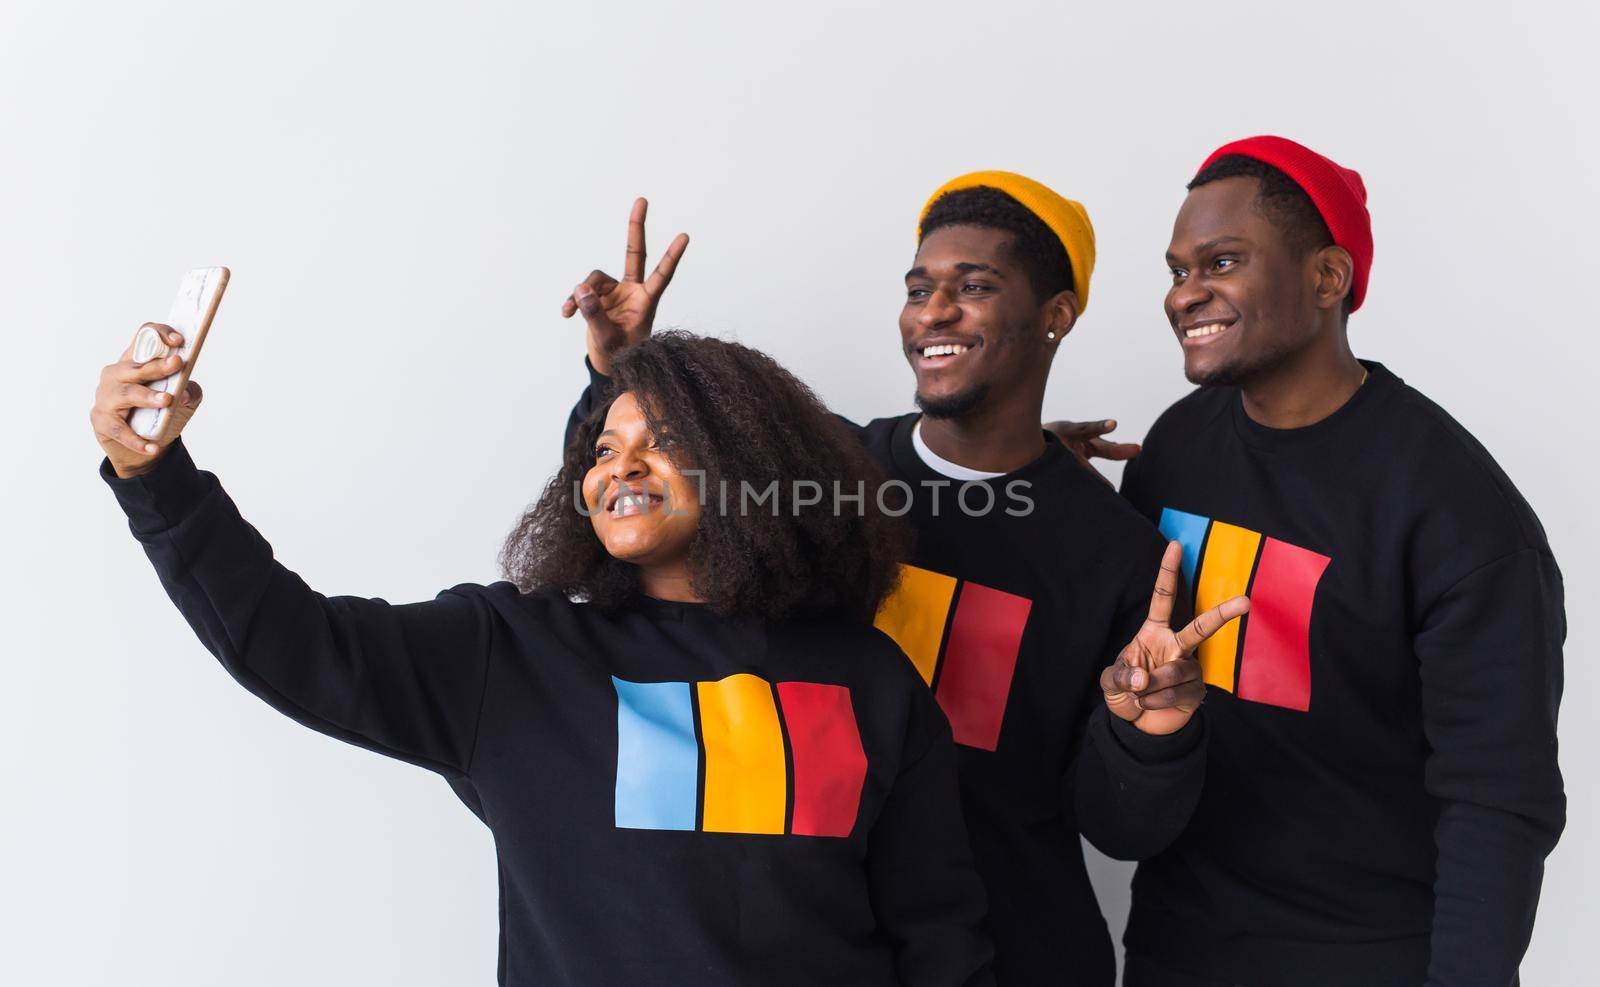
[{"x": 700, "y": 762}]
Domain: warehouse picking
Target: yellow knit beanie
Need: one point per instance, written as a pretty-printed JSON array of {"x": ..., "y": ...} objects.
[{"x": 1067, "y": 219}]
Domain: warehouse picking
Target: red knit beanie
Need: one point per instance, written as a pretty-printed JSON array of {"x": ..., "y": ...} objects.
[{"x": 1337, "y": 192}]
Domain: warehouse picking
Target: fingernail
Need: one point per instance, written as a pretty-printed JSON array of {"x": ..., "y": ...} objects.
[
  {"x": 1138, "y": 679},
  {"x": 149, "y": 447},
  {"x": 581, "y": 291}
]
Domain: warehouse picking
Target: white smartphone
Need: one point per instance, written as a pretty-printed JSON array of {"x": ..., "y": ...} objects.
[{"x": 198, "y": 296}]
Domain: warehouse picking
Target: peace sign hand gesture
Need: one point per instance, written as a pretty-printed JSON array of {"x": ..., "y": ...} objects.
[
  {"x": 1154, "y": 684},
  {"x": 620, "y": 313}
]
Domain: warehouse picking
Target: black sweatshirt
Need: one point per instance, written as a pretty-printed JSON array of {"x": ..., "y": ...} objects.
[
  {"x": 1013, "y": 618},
  {"x": 675, "y": 797},
  {"x": 1382, "y": 786}
]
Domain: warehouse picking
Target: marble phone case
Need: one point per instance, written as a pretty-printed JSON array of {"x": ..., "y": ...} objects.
[{"x": 198, "y": 296}]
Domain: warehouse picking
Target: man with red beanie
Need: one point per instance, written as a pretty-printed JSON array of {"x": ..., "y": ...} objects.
[{"x": 1381, "y": 783}]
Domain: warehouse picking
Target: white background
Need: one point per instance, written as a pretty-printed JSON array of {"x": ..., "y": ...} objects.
[{"x": 405, "y": 193}]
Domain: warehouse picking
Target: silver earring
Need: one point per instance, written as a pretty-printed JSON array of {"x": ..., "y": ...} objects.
[{"x": 1049, "y": 335}]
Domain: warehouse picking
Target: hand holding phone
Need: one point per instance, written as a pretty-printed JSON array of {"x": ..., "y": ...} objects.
[
  {"x": 145, "y": 399},
  {"x": 199, "y": 294}
]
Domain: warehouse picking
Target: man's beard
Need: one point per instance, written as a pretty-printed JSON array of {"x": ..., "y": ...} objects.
[
  {"x": 958, "y": 405},
  {"x": 1241, "y": 372}
]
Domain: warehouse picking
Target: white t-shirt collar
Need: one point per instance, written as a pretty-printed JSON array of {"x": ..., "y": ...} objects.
[{"x": 942, "y": 466}]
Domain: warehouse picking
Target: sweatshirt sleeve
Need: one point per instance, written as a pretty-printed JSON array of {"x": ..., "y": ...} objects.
[
  {"x": 925, "y": 887},
  {"x": 1133, "y": 792},
  {"x": 405, "y": 681},
  {"x": 597, "y": 393},
  {"x": 1490, "y": 654}
]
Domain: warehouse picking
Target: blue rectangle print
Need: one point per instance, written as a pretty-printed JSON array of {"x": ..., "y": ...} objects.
[
  {"x": 1190, "y": 531},
  {"x": 658, "y": 760}
]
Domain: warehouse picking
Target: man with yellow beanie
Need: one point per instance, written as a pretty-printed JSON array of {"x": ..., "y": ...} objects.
[{"x": 1030, "y": 578}]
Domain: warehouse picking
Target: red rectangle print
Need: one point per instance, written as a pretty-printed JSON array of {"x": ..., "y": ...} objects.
[
  {"x": 1276, "y": 666},
  {"x": 829, "y": 764},
  {"x": 979, "y": 659}
]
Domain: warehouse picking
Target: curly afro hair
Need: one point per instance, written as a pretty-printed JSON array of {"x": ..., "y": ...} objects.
[
  {"x": 1033, "y": 244},
  {"x": 734, "y": 413}
]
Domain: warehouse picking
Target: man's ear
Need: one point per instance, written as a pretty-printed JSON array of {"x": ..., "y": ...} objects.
[
  {"x": 1335, "y": 275},
  {"x": 1061, "y": 314}
]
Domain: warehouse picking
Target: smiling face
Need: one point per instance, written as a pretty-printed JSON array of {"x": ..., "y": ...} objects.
[
  {"x": 644, "y": 510},
  {"x": 972, "y": 324},
  {"x": 1243, "y": 301}
]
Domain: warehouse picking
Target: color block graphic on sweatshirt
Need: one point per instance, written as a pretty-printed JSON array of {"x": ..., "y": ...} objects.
[
  {"x": 1225, "y": 573},
  {"x": 719, "y": 757},
  {"x": 915, "y": 615},
  {"x": 1264, "y": 656},
  {"x": 963, "y": 637},
  {"x": 829, "y": 764},
  {"x": 747, "y": 779},
  {"x": 658, "y": 761}
]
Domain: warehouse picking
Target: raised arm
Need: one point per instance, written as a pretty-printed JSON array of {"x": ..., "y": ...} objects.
[
  {"x": 406, "y": 681},
  {"x": 618, "y": 314}
]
